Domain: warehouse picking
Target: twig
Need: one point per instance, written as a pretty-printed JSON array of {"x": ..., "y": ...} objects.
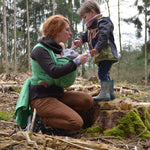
[
  {"x": 4, "y": 134},
  {"x": 7, "y": 122},
  {"x": 141, "y": 133},
  {"x": 72, "y": 144},
  {"x": 14, "y": 93},
  {"x": 33, "y": 119},
  {"x": 136, "y": 137},
  {"x": 14, "y": 131},
  {"x": 135, "y": 148},
  {"x": 103, "y": 139},
  {"x": 29, "y": 141}
]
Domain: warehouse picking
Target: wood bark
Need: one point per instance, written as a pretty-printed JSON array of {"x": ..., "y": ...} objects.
[
  {"x": 53, "y": 7},
  {"x": 107, "y": 1},
  {"x": 146, "y": 57},
  {"x": 28, "y": 36},
  {"x": 5, "y": 37},
  {"x": 15, "y": 65},
  {"x": 119, "y": 27}
]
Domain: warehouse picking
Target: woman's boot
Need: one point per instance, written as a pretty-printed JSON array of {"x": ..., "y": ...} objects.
[{"x": 104, "y": 94}]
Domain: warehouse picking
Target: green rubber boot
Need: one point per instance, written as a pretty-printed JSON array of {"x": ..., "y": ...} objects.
[
  {"x": 104, "y": 94},
  {"x": 112, "y": 93}
]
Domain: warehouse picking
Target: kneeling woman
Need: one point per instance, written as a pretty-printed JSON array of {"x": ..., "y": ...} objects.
[{"x": 55, "y": 107}]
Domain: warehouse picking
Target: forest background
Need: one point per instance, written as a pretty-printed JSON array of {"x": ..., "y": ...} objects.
[{"x": 21, "y": 22}]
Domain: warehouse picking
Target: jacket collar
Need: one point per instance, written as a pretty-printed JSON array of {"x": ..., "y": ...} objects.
[{"x": 50, "y": 43}]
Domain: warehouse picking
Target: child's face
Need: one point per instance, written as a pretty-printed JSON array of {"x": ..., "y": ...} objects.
[{"x": 87, "y": 16}]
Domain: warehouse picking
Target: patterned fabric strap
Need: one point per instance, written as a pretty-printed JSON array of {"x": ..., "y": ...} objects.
[{"x": 90, "y": 22}]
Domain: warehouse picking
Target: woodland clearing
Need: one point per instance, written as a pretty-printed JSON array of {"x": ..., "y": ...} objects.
[{"x": 129, "y": 96}]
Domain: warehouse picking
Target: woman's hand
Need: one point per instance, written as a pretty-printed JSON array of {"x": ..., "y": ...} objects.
[{"x": 83, "y": 58}]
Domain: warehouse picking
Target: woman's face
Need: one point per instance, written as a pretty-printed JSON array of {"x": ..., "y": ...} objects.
[{"x": 64, "y": 35}]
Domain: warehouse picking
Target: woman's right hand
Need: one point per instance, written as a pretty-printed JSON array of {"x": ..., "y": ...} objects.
[{"x": 83, "y": 58}]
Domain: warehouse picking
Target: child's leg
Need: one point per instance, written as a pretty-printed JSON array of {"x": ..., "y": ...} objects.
[
  {"x": 103, "y": 70},
  {"x": 103, "y": 74}
]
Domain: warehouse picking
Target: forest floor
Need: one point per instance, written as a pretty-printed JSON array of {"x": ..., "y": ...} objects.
[{"x": 13, "y": 138}]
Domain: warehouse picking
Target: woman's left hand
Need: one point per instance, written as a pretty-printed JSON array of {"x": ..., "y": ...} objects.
[{"x": 83, "y": 58}]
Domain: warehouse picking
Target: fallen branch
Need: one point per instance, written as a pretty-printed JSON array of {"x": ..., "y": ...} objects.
[
  {"x": 69, "y": 143},
  {"x": 4, "y": 134},
  {"x": 33, "y": 119},
  {"x": 136, "y": 137},
  {"x": 29, "y": 141},
  {"x": 7, "y": 122},
  {"x": 104, "y": 139},
  {"x": 97, "y": 138}
]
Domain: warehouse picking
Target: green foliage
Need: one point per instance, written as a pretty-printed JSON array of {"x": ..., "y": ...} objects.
[
  {"x": 136, "y": 19},
  {"x": 1, "y": 3},
  {"x": 1, "y": 68},
  {"x": 16, "y": 89},
  {"x": 133, "y": 123},
  {"x": 145, "y": 116},
  {"x": 129, "y": 68},
  {"x": 71, "y": 14},
  {"x": 6, "y": 115},
  {"x": 93, "y": 131},
  {"x": 141, "y": 57}
]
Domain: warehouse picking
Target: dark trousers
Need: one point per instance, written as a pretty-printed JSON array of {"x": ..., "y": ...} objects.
[{"x": 103, "y": 70}]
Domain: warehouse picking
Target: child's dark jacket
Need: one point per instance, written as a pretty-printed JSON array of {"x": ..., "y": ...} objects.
[{"x": 100, "y": 37}]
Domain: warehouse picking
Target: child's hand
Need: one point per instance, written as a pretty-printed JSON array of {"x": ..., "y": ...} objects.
[
  {"x": 77, "y": 43},
  {"x": 93, "y": 52}
]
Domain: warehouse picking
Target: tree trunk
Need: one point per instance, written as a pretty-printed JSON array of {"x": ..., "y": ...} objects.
[
  {"x": 146, "y": 65},
  {"x": 28, "y": 37},
  {"x": 107, "y": 1},
  {"x": 119, "y": 27},
  {"x": 15, "y": 59},
  {"x": 53, "y": 1},
  {"x": 5, "y": 38}
]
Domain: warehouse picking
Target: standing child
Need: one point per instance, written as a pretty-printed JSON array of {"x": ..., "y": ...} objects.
[{"x": 100, "y": 39}]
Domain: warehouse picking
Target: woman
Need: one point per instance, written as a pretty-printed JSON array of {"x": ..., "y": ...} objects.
[{"x": 56, "y": 108}]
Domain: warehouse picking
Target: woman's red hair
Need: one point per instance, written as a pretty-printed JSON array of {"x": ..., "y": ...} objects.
[{"x": 54, "y": 25}]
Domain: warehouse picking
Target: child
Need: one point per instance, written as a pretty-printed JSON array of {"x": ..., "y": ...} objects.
[{"x": 100, "y": 39}]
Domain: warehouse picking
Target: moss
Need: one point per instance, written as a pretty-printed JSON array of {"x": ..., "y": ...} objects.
[
  {"x": 130, "y": 124},
  {"x": 30, "y": 134},
  {"x": 93, "y": 131},
  {"x": 6, "y": 115},
  {"x": 116, "y": 131},
  {"x": 7, "y": 138},
  {"x": 145, "y": 116},
  {"x": 16, "y": 89}
]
